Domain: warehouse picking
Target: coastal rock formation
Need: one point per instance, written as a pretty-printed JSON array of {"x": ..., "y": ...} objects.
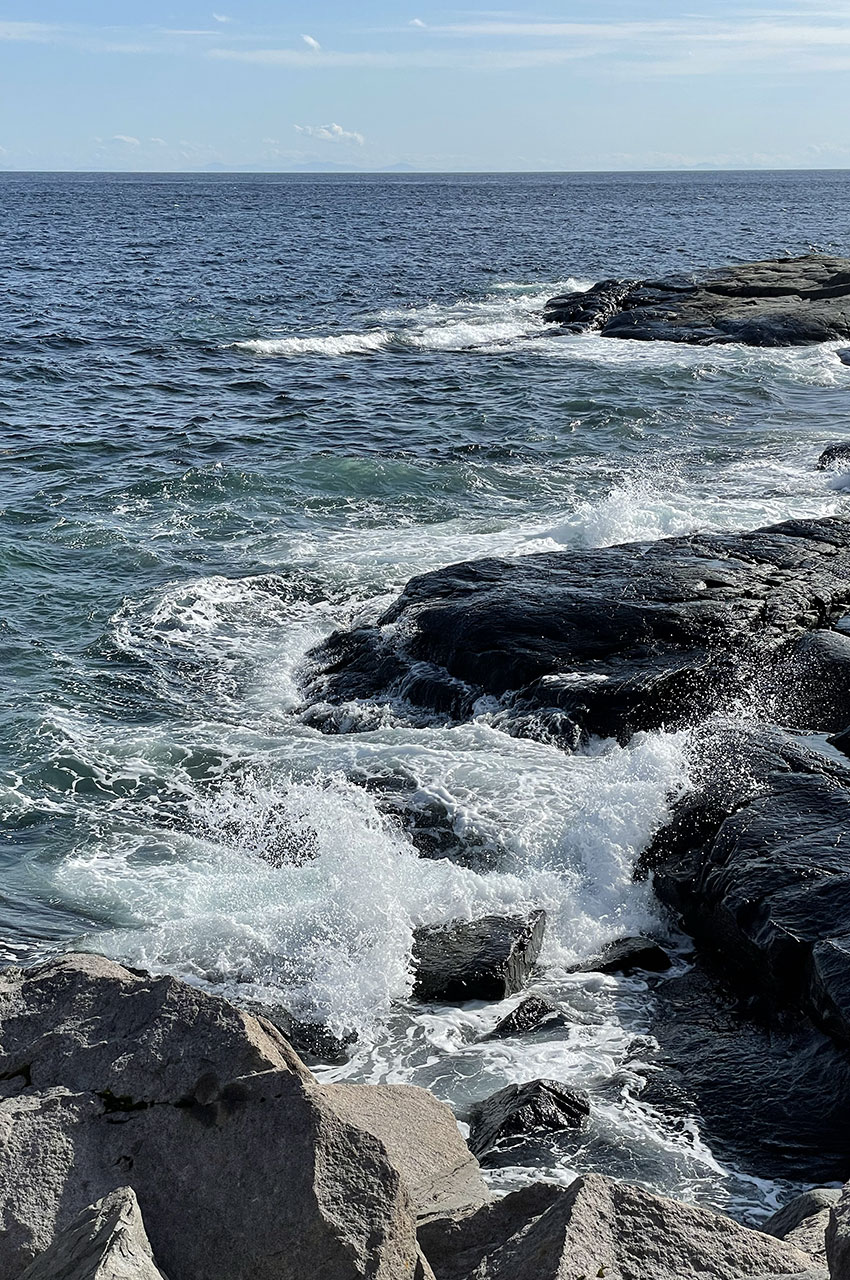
[
  {"x": 486, "y": 959},
  {"x": 804, "y": 1221},
  {"x": 630, "y": 955},
  {"x": 521, "y": 1109},
  {"x": 607, "y": 641},
  {"x": 107, "y": 1241},
  {"x": 756, "y": 865},
  {"x": 531, "y": 1014},
  {"x": 781, "y": 303},
  {"x": 109, "y": 1074},
  {"x": 597, "y": 1227}
]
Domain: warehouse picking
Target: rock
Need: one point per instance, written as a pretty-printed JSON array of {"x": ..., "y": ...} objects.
[
  {"x": 606, "y": 641},
  {"x": 421, "y": 1138},
  {"x": 780, "y": 303},
  {"x": 843, "y": 354},
  {"x": 107, "y": 1241},
  {"x": 838, "y": 1237},
  {"x": 521, "y": 1109},
  {"x": 836, "y": 457},
  {"x": 758, "y": 871},
  {"x": 630, "y": 955},
  {"x": 313, "y": 1041},
  {"x": 242, "y": 1164},
  {"x": 810, "y": 686},
  {"x": 597, "y": 1227},
  {"x": 531, "y": 1014},
  {"x": 803, "y": 1222},
  {"x": 486, "y": 959}
]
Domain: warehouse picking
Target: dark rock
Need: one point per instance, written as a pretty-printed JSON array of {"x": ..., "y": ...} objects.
[
  {"x": 630, "y": 955},
  {"x": 843, "y": 354},
  {"x": 315, "y": 1042},
  {"x": 789, "y": 302},
  {"x": 522, "y": 1109},
  {"x": 810, "y": 686},
  {"x": 758, "y": 866},
  {"x": 607, "y": 641},
  {"x": 841, "y": 741},
  {"x": 486, "y": 959},
  {"x": 600, "y": 1228},
  {"x": 836, "y": 457},
  {"x": 530, "y": 1015}
]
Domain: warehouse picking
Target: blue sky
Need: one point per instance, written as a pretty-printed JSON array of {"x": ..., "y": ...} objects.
[{"x": 575, "y": 84}]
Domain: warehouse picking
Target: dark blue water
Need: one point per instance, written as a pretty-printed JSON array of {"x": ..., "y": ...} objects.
[{"x": 238, "y": 411}]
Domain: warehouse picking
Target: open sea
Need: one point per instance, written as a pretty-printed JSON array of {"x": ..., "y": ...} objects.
[{"x": 237, "y": 412}]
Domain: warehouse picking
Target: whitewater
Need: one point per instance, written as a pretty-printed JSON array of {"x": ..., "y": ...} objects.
[{"x": 204, "y": 487}]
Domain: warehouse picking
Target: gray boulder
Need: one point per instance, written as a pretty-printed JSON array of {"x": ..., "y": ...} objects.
[
  {"x": 597, "y": 1227},
  {"x": 107, "y": 1241},
  {"x": 803, "y": 1221},
  {"x": 244, "y": 1168},
  {"x": 776, "y": 303},
  {"x": 838, "y": 1237},
  {"x": 486, "y": 959}
]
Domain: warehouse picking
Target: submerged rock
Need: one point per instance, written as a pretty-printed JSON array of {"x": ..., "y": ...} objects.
[
  {"x": 606, "y": 641},
  {"x": 486, "y": 959},
  {"x": 530, "y": 1015},
  {"x": 107, "y": 1241},
  {"x": 600, "y": 1228},
  {"x": 835, "y": 457},
  {"x": 778, "y": 303},
  {"x": 522, "y": 1109},
  {"x": 243, "y": 1165}
]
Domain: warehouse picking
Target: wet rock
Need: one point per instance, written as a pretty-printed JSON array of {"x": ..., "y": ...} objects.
[
  {"x": 107, "y": 1241},
  {"x": 836, "y": 457},
  {"x": 522, "y": 1109},
  {"x": 630, "y": 955},
  {"x": 781, "y": 303},
  {"x": 810, "y": 686},
  {"x": 242, "y": 1163},
  {"x": 608, "y": 641},
  {"x": 760, "y": 875},
  {"x": 838, "y": 1237},
  {"x": 530, "y": 1015},
  {"x": 843, "y": 354},
  {"x": 486, "y": 959},
  {"x": 315, "y": 1042},
  {"x": 597, "y": 1227}
]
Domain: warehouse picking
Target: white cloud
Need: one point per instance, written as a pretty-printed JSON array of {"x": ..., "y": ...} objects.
[
  {"x": 311, "y": 43},
  {"x": 126, "y": 139},
  {"x": 330, "y": 133},
  {"x": 160, "y": 142},
  {"x": 221, "y": 17},
  {"x": 416, "y": 22}
]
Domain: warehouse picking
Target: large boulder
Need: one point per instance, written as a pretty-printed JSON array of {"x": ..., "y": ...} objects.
[
  {"x": 107, "y": 1241},
  {"x": 597, "y": 1227},
  {"x": 242, "y": 1164},
  {"x": 778, "y": 303},
  {"x": 803, "y": 1222},
  {"x": 486, "y": 959},
  {"x": 605, "y": 641}
]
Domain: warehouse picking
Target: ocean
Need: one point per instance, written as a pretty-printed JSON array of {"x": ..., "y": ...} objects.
[{"x": 240, "y": 411}]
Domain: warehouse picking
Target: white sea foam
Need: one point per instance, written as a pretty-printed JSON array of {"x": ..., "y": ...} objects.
[{"x": 332, "y": 344}]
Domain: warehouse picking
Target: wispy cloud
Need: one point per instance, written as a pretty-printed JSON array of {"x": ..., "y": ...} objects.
[
  {"x": 330, "y": 133},
  {"x": 417, "y": 22},
  {"x": 125, "y": 139},
  {"x": 311, "y": 43},
  {"x": 221, "y": 17}
]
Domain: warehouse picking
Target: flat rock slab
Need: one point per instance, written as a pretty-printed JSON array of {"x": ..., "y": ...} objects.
[
  {"x": 486, "y": 959},
  {"x": 608, "y": 641},
  {"x": 781, "y": 303},
  {"x": 107, "y": 1241},
  {"x": 597, "y": 1227},
  {"x": 519, "y": 1110}
]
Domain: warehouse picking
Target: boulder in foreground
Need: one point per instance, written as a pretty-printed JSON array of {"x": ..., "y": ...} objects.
[
  {"x": 107, "y": 1241},
  {"x": 598, "y": 1227},
  {"x": 785, "y": 302}
]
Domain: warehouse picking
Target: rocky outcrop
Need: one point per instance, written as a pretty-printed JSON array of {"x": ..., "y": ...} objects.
[
  {"x": 804, "y": 1221},
  {"x": 781, "y": 303},
  {"x": 756, "y": 865},
  {"x": 107, "y": 1241},
  {"x": 242, "y": 1164},
  {"x": 598, "y": 1227},
  {"x": 486, "y": 959},
  {"x": 519, "y": 1110},
  {"x": 608, "y": 641},
  {"x": 628, "y": 956}
]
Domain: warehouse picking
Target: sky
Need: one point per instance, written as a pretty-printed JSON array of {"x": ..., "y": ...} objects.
[{"x": 371, "y": 84}]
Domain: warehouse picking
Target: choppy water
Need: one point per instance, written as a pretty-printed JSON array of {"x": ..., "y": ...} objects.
[{"x": 237, "y": 412}]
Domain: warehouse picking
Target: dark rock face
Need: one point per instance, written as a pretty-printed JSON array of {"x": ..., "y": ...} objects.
[
  {"x": 607, "y": 641},
  {"x": 530, "y": 1015},
  {"x": 835, "y": 457},
  {"x": 757, "y": 865},
  {"x": 487, "y": 959},
  {"x": 630, "y": 955},
  {"x": 523, "y": 1109},
  {"x": 789, "y": 302}
]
